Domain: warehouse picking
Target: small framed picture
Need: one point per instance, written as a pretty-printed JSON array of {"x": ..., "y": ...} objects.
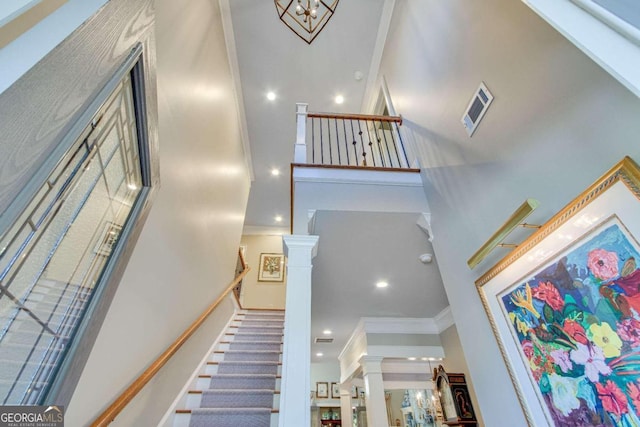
[
  {"x": 271, "y": 268},
  {"x": 354, "y": 392},
  {"x": 335, "y": 390},
  {"x": 322, "y": 390}
]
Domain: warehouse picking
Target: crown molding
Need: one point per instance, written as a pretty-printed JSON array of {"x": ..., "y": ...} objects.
[
  {"x": 444, "y": 320},
  {"x": 370, "y": 92},
  {"x": 234, "y": 67},
  {"x": 399, "y": 325}
]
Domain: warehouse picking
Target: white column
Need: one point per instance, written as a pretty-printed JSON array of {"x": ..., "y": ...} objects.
[
  {"x": 296, "y": 358},
  {"x": 300, "y": 151},
  {"x": 374, "y": 391},
  {"x": 346, "y": 404}
]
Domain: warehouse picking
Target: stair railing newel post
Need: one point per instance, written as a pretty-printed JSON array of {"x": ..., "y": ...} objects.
[
  {"x": 296, "y": 357},
  {"x": 300, "y": 151}
]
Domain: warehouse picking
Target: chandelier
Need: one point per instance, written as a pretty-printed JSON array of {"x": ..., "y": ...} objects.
[{"x": 306, "y": 18}]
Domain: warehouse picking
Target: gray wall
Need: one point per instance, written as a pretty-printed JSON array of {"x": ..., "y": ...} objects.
[
  {"x": 557, "y": 123},
  {"x": 186, "y": 253}
]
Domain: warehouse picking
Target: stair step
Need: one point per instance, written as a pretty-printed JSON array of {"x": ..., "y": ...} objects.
[
  {"x": 226, "y": 367},
  {"x": 241, "y": 336},
  {"x": 182, "y": 418},
  {"x": 254, "y": 345},
  {"x": 239, "y": 384},
  {"x": 234, "y": 417},
  {"x": 252, "y": 356},
  {"x": 243, "y": 381},
  {"x": 229, "y": 398}
]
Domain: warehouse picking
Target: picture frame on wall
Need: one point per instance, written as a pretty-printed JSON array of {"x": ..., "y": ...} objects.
[
  {"x": 564, "y": 307},
  {"x": 322, "y": 390},
  {"x": 354, "y": 392},
  {"x": 335, "y": 390},
  {"x": 271, "y": 267}
]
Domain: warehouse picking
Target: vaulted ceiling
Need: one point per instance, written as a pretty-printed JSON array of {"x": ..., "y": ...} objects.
[{"x": 356, "y": 249}]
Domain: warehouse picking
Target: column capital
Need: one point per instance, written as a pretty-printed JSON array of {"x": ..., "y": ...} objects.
[
  {"x": 371, "y": 364},
  {"x": 294, "y": 242}
]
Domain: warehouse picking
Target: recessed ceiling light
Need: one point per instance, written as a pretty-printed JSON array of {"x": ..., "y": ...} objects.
[
  {"x": 132, "y": 186},
  {"x": 382, "y": 284},
  {"x": 327, "y": 332},
  {"x": 411, "y": 358},
  {"x": 339, "y": 99},
  {"x": 423, "y": 358},
  {"x": 278, "y": 218},
  {"x": 275, "y": 171},
  {"x": 319, "y": 354},
  {"x": 271, "y": 96}
]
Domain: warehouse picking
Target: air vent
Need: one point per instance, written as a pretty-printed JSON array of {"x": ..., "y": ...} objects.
[
  {"x": 476, "y": 109},
  {"x": 319, "y": 340}
]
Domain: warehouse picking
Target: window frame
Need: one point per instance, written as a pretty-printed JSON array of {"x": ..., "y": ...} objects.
[{"x": 68, "y": 373}]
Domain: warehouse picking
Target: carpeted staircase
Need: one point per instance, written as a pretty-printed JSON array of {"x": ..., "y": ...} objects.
[{"x": 239, "y": 385}]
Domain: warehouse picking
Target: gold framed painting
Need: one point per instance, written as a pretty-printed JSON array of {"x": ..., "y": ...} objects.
[
  {"x": 565, "y": 308},
  {"x": 271, "y": 268}
]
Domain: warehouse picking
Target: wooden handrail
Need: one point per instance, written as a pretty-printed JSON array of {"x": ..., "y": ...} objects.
[
  {"x": 396, "y": 119},
  {"x": 134, "y": 388}
]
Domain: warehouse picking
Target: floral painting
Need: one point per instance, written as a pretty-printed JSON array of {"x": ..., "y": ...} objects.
[
  {"x": 271, "y": 268},
  {"x": 577, "y": 325}
]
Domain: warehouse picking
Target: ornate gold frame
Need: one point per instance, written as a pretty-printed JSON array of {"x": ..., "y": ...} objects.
[{"x": 625, "y": 171}]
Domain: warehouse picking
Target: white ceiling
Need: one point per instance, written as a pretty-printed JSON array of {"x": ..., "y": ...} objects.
[
  {"x": 356, "y": 249},
  {"x": 373, "y": 247},
  {"x": 272, "y": 58}
]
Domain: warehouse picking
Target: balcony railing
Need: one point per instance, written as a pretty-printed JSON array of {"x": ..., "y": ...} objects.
[{"x": 355, "y": 140}]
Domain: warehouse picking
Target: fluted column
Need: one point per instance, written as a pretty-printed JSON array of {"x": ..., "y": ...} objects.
[
  {"x": 374, "y": 391},
  {"x": 296, "y": 357}
]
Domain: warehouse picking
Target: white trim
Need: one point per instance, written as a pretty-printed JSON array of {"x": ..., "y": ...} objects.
[
  {"x": 357, "y": 334},
  {"x": 610, "y": 49},
  {"x": 405, "y": 351},
  {"x": 357, "y": 176},
  {"x": 424, "y": 222},
  {"x": 408, "y": 367},
  {"x": 444, "y": 320},
  {"x": 613, "y": 21},
  {"x": 371, "y": 89},
  {"x": 399, "y": 325},
  {"x": 311, "y": 225},
  {"x": 234, "y": 67}
]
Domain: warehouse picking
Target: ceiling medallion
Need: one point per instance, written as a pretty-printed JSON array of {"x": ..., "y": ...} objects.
[{"x": 306, "y": 18}]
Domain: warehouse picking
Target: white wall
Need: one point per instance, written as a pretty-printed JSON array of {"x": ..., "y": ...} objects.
[
  {"x": 557, "y": 122},
  {"x": 261, "y": 294},
  {"x": 186, "y": 254},
  {"x": 325, "y": 372}
]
